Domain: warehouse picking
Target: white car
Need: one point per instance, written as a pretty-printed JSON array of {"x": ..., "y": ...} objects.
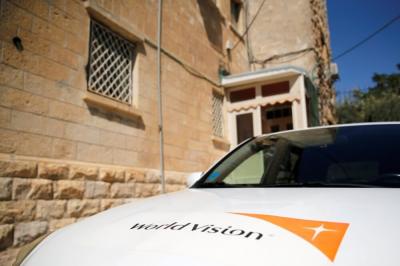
[{"x": 320, "y": 196}]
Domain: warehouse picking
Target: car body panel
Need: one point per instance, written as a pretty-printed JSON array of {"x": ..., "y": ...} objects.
[{"x": 107, "y": 238}]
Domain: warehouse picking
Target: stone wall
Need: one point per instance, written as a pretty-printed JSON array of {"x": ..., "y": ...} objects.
[
  {"x": 39, "y": 197},
  {"x": 80, "y": 157},
  {"x": 44, "y": 110},
  {"x": 281, "y": 28}
]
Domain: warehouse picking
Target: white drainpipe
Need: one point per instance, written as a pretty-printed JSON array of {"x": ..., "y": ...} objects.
[{"x": 160, "y": 112}]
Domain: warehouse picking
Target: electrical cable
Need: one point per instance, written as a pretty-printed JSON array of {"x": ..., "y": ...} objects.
[
  {"x": 387, "y": 24},
  {"x": 299, "y": 53},
  {"x": 187, "y": 67},
  {"x": 251, "y": 23}
]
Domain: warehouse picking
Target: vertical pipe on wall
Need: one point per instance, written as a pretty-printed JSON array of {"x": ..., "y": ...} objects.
[
  {"x": 246, "y": 11},
  {"x": 160, "y": 111}
]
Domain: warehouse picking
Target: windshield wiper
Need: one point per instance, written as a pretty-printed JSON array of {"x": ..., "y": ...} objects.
[
  {"x": 323, "y": 184},
  {"x": 224, "y": 185},
  {"x": 316, "y": 184},
  {"x": 328, "y": 184}
]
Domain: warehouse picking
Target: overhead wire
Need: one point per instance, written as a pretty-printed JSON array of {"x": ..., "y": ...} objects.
[
  {"x": 299, "y": 53},
  {"x": 369, "y": 37},
  {"x": 185, "y": 66}
]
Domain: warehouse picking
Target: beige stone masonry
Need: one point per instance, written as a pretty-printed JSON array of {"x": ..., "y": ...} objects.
[
  {"x": 96, "y": 190},
  {"x": 122, "y": 190},
  {"x": 32, "y": 189},
  {"x": 109, "y": 203},
  {"x": 50, "y": 209},
  {"x": 81, "y": 172},
  {"x": 146, "y": 189},
  {"x": 136, "y": 176},
  {"x": 6, "y": 236},
  {"x": 41, "y": 196},
  {"x": 53, "y": 171},
  {"x": 17, "y": 211},
  {"x": 173, "y": 187},
  {"x": 65, "y": 189},
  {"x": 6, "y": 188},
  {"x": 111, "y": 175},
  {"x": 8, "y": 256},
  {"x": 27, "y": 232},
  {"x": 59, "y": 223},
  {"x": 82, "y": 208},
  {"x": 18, "y": 169}
]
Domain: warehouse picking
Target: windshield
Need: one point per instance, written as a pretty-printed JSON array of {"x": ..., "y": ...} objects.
[{"x": 359, "y": 156}]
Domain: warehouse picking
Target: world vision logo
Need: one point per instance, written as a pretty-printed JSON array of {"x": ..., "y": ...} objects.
[
  {"x": 325, "y": 236},
  {"x": 203, "y": 228}
]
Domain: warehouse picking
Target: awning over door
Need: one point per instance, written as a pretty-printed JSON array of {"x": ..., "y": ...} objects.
[{"x": 278, "y": 101}]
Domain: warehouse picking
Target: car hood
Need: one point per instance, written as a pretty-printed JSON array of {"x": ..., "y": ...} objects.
[{"x": 236, "y": 226}]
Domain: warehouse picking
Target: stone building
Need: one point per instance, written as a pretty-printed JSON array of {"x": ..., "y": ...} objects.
[{"x": 79, "y": 124}]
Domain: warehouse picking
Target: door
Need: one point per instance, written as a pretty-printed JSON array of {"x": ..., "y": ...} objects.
[{"x": 244, "y": 127}]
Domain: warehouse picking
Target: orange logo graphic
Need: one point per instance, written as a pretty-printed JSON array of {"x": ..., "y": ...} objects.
[{"x": 326, "y": 236}]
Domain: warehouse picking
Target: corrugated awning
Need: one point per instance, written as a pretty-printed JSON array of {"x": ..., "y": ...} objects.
[{"x": 288, "y": 99}]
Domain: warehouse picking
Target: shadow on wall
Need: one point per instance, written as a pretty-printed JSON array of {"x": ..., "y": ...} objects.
[
  {"x": 212, "y": 20},
  {"x": 136, "y": 122}
]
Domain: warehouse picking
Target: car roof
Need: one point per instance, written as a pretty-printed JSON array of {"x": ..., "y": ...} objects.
[{"x": 331, "y": 126}]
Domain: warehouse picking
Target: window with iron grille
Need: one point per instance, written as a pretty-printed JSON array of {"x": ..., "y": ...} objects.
[
  {"x": 217, "y": 115},
  {"x": 110, "y": 64}
]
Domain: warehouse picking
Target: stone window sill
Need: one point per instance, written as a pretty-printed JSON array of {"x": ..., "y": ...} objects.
[
  {"x": 110, "y": 105},
  {"x": 221, "y": 143}
]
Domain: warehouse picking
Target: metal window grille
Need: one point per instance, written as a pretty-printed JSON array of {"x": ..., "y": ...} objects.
[
  {"x": 217, "y": 115},
  {"x": 110, "y": 64}
]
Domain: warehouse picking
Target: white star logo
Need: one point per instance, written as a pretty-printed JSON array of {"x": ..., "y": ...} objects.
[{"x": 318, "y": 230}]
